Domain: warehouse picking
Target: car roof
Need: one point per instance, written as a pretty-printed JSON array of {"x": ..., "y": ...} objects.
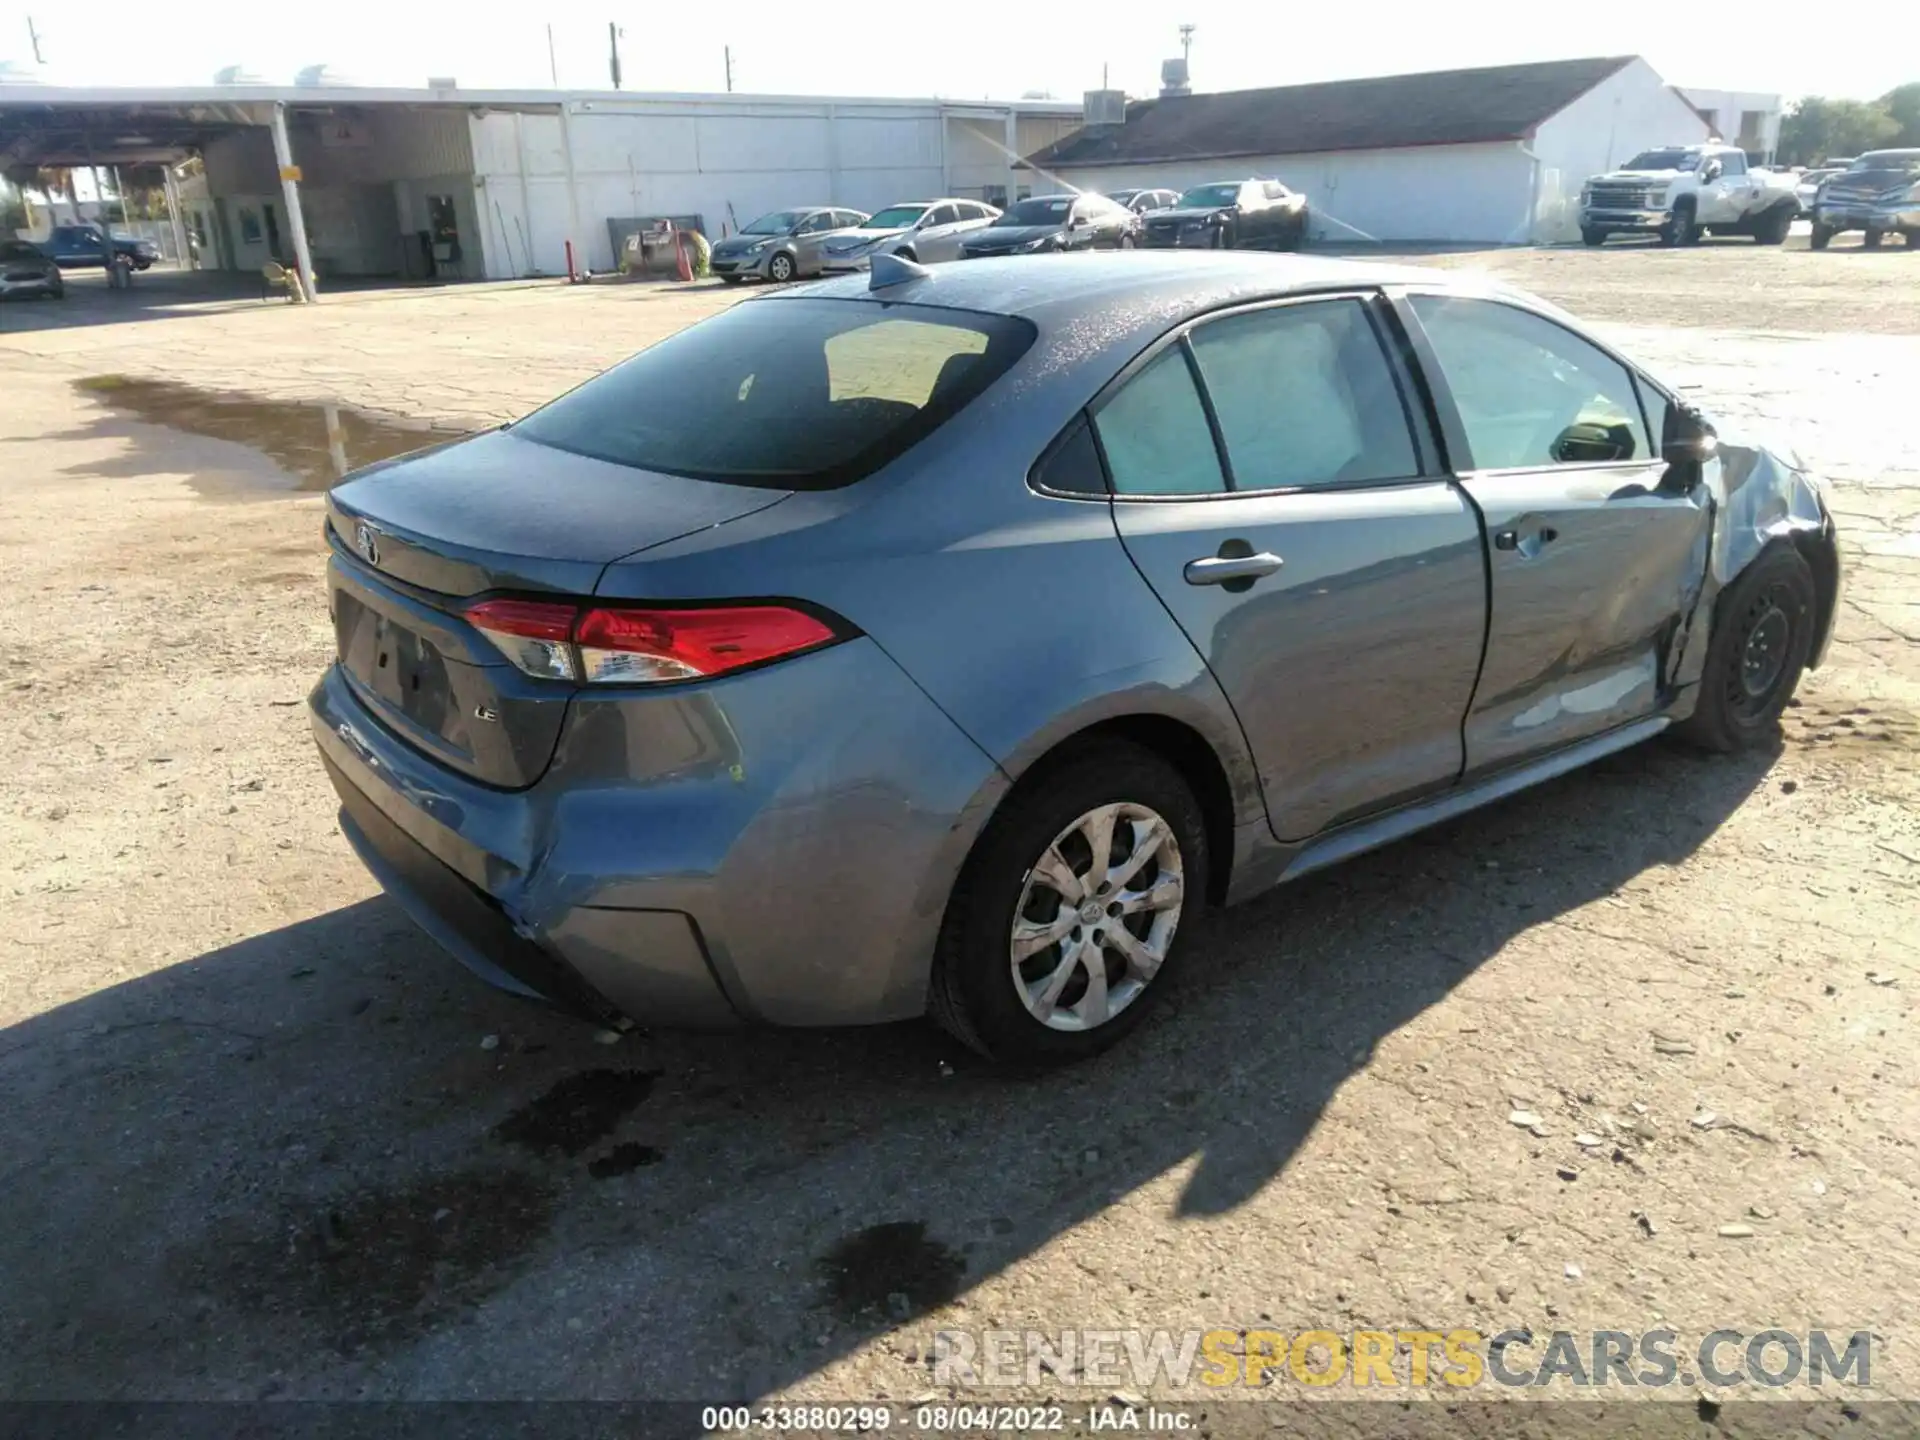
[
  {"x": 1125, "y": 292},
  {"x": 1889, "y": 155}
]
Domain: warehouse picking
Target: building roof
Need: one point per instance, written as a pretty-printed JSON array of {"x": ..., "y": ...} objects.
[
  {"x": 1388, "y": 112},
  {"x": 85, "y": 124}
]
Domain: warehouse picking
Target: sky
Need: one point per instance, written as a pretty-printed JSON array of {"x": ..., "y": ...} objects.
[{"x": 960, "y": 48}]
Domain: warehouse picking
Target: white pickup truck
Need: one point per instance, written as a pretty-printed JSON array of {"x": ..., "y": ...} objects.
[{"x": 1682, "y": 192}]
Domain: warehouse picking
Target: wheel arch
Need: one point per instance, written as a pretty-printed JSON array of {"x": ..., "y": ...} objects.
[
  {"x": 1821, "y": 551},
  {"x": 1182, "y": 746}
]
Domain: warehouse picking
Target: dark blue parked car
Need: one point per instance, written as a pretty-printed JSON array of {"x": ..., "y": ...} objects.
[{"x": 71, "y": 246}]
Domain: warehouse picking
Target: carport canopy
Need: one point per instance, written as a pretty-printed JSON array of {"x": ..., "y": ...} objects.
[{"x": 43, "y": 126}]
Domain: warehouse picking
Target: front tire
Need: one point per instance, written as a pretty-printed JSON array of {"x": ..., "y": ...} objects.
[
  {"x": 780, "y": 269},
  {"x": 1821, "y": 237},
  {"x": 1762, "y": 634},
  {"x": 1683, "y": 228},
  {"x": 1070, "y": 911},
  {"x": 1772, "y": 227},
  {"x": 1871, "y": 240}
]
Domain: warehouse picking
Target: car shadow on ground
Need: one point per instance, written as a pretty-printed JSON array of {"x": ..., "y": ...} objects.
[{"x": 323, "y": 1161}]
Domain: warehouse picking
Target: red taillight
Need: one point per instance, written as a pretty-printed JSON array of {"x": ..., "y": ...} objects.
[
  {"x": 623, "y": 646},
  {"x": 535, "y": 635}
]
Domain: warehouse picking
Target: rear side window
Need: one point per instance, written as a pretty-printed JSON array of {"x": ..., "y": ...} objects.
[
  {"x": 785, "y": 394},
  {"x": 1304, "y": 397},
  {"x": 1155, "y": 433}
]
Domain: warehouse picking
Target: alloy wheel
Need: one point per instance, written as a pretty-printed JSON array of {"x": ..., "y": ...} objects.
[{"x": 1096, "y": 916}]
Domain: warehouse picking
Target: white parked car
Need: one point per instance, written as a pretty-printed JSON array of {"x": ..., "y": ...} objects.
[
  {"x": 1681, "y": 192},
  {"x": 924, "y": 230}
]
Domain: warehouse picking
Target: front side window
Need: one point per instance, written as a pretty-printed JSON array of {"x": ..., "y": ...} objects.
[
  {"x": 1732, "y": 162},
  {"x": 1304, "y": 397},
  {"x": 785, "y": 394},
  {"x": 1155, "y": 433},
  {"x": 1531, "y": 393}
]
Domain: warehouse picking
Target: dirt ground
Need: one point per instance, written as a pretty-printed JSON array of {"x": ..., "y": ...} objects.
[{"x": 262, "y": 1140}]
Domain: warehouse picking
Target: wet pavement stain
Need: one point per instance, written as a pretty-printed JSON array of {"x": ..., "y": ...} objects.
[
  {"x": 623, "y": 1160},
  {"x": 318, "y": 444},
  {"x": 891, "y": 1271},
  {"x": 577, "y": 1112},
  {"x": 375, "y": 1265}
]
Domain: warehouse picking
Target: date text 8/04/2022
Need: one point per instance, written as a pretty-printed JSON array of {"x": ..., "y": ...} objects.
[{"x": 961, "y": 1418}]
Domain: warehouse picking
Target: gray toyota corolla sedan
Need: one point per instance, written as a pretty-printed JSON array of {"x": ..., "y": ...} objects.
[{"x": 936, "y": 642}]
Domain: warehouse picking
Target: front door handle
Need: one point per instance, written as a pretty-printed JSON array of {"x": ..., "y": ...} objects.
[{"x": 1224, "y": 569}]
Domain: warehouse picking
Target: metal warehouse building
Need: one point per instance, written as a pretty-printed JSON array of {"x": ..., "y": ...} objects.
[
  {"x": 1492, "y": 156},
  {"x": 492, "y": 184}
]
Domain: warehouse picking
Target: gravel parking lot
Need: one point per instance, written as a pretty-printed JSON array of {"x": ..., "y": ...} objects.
[{"x": 263, "y": 1140}]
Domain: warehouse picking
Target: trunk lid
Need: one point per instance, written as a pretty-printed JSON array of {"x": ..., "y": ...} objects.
[{"x": 415, "y": 540}]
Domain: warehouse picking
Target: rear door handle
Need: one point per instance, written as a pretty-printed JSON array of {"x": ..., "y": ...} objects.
[
  {"x": 1219, "y": 569},
  {"x": 1510, "y": 540}
]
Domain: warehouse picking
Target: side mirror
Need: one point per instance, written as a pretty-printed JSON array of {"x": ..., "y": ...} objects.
[
  {"x": 1711, "y": 172},
  {"x": 1690, "y": 438},
  {"x": 1079, "y": 222}
]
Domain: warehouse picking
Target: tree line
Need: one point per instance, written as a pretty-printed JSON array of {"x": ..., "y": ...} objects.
[{"x": 1817, "y": 128}]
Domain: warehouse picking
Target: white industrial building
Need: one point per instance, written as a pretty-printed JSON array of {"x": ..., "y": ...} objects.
[
  {"x": 493, "y": 184},
  {"x": 1485, "y": 156},
  {"x": 448, "y": 183}
]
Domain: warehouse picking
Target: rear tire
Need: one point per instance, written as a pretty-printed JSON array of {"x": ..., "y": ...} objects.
[
  {"x": 1762, "y": 634},
  {"x": 1871, "y": 240},
  {"x": 1821, "y": 237},
  {"x": 994, "y": 1004}
]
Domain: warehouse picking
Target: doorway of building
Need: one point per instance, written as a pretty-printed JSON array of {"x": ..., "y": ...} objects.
[
  {"x": 443, "y": 225},
  {"x": 272, "y": 222}
]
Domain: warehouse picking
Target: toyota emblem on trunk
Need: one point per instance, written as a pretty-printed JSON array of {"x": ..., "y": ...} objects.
[{"x": 367, "y": 541}]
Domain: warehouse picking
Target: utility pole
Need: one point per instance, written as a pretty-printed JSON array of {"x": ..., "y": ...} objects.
[
  {"x": 34, "y": 36},
  {"x": 727, "y": 50},
  {"x": 613, "y": 52}
]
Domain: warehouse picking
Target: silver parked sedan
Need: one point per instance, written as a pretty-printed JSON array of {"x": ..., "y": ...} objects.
[
  {"x": 923, "y": 231},
  {"x": 781, "y": 246},
  {"x": 939, "y": 642}
]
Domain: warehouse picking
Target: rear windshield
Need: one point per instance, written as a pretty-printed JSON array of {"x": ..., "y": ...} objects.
[{"x": 785, "y": 394}]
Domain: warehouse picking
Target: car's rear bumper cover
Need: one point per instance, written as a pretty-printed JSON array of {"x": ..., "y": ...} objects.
[{"x": 775, "y": 846}]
